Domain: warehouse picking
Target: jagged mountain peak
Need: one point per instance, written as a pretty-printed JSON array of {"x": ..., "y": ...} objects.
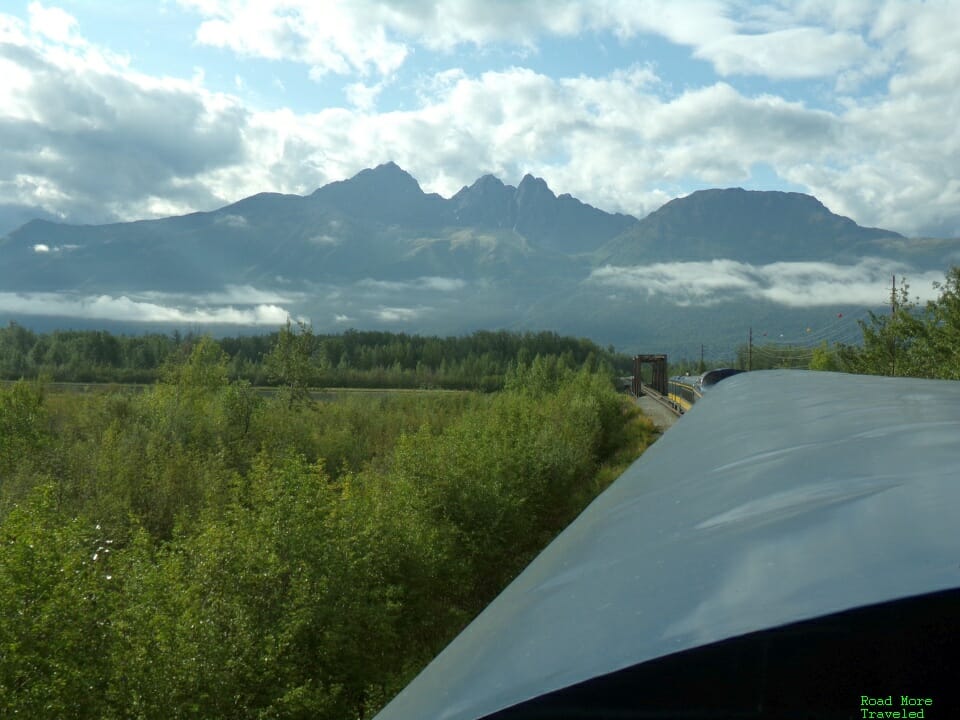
[
  {"x": 531, "y": 186},
  {"x": 386, "y": 193},
  {"x": 484, "y": 184},
  {"x": 387, "y": 175},
  {"x": 488, "y": 181}
]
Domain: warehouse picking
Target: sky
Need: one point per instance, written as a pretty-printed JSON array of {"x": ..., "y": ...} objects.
[{"x": 121, "y": 111}]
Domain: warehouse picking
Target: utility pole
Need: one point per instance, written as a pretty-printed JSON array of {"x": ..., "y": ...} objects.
[
  {"x": 750, "y": 350},
  {"x": 893, "y": 310}
]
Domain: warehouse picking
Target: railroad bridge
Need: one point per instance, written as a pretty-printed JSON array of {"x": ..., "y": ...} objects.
[{"x": 658, "y": 382}]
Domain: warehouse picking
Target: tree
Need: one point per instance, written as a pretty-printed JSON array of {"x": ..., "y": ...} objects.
[
  {"x": 889, "y": 341},
  {"x": 824, "y": 359},
  {"x": 205, "y": 368},
  {"x": 911, "y": 341},
  {"x": 290, "y": 363}
]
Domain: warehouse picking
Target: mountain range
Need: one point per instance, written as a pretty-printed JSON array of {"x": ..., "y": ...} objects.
[{"x": 377, "y": 251}]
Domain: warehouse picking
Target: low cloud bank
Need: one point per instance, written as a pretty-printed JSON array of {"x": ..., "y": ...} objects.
[
  {"x": 126, "y": 309},
  {"x": 44, "y": 248},
  {"x": 230, "y": 295},
  {"x": 793, "y": 284},
  {"x": 398, "y": 314},
  {"x": 429, "y": 282}
]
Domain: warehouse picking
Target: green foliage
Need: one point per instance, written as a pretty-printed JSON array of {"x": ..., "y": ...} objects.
[
  {"x": 202, "y": 367},
  {"x": 57, "y": 599},
  {"x": 23, "y": 424},
  {"x": 295, "y": 358},
  {"x": 911, "y": 341},
  {"x": 195, "y": 551},
  {"x": 825, "y": 358},
  {"x": 290, "y": 363}
]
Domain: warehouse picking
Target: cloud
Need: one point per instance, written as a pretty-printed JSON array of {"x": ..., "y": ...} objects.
[
  {"x": 85, "y": 136},
  {"x": 792, "y": 284},
  {"x": 362, "y": 96},
  {"x": 341, "y": 318},
  {"x": 363, "y": 36},
  {"x": 54, "y": 23},
  {"x": 80, "y": 130},
  {"x": 442, "y": 284},
  {"x": 435, "y": 283},
  {"x": 44, "y": 248},
  {"x": 397, "y": 314},
  {"x": 329, "y": 37},
  {"x": 790, "y": 53},
  {"x": 230, "y": 220},
  {"x": 230, "y": 295},
  {"x": 126, "y": 309}
]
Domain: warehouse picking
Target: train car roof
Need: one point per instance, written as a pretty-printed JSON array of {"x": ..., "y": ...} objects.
[
  {"x": 712, "y": 377},
  {"x": 780, "y": 498}
]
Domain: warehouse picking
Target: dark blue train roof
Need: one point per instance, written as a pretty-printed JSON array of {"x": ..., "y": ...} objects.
[
  {"x": 712, "y": 377},
  {"x": 781, "y": 497}
]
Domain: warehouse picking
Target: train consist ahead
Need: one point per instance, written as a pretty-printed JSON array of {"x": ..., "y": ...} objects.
[{"x": 685, "y": 390}]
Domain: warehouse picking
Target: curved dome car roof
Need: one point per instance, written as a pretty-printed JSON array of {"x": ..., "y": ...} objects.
[
  {"x": 789, "y": 548},
  {"x": 712, "y": 377}
]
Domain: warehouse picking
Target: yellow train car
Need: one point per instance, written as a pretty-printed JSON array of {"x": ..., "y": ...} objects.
[{"x": 683, "y": 391}]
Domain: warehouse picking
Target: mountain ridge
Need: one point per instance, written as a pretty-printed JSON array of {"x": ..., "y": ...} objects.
[
  {"x": 742, "y": 224},
  {"x": 375, "y": 250}
]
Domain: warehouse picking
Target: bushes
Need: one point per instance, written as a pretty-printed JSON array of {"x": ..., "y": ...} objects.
[
  {"x": 196, "y": 551},
  {"x": 23, "y": 424}
]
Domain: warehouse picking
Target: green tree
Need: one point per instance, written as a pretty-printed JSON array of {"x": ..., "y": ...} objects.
[
  {"x": 290, "y": 363},
  {"x": 825, "y": 358},
  {"x": 890, "y": 342}
]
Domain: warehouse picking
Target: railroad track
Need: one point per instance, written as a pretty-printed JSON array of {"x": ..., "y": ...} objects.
[{"x": 651, "y": 393}]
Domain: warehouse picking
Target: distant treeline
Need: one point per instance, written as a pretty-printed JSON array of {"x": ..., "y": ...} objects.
[{"x": 351, "y": 359}]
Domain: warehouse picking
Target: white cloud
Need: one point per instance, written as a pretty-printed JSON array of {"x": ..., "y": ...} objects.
[
  {"x": 341, "y": 318},
  {"x": 434, "y": 283},
  {"x": 361, "y": 36},
  {"x": 55, "y": 249},
  {"x": 442, "y": 284},
  {"x": 363, "y": 97},
  {"x": 81, "y": 130},
  {"x": 231, "y": 220},
  {"x": 230, "y": 295},
  {"x": 793, "y": 284},
  {"x": 86, "y": 136},
  {"x": 53, "y": 23},
  {"x": 126, "y": 309},
  {"x": 790, "y": 53},
  {"x": 334, "y": 36},
  {"x": 397, "y": 314}
]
